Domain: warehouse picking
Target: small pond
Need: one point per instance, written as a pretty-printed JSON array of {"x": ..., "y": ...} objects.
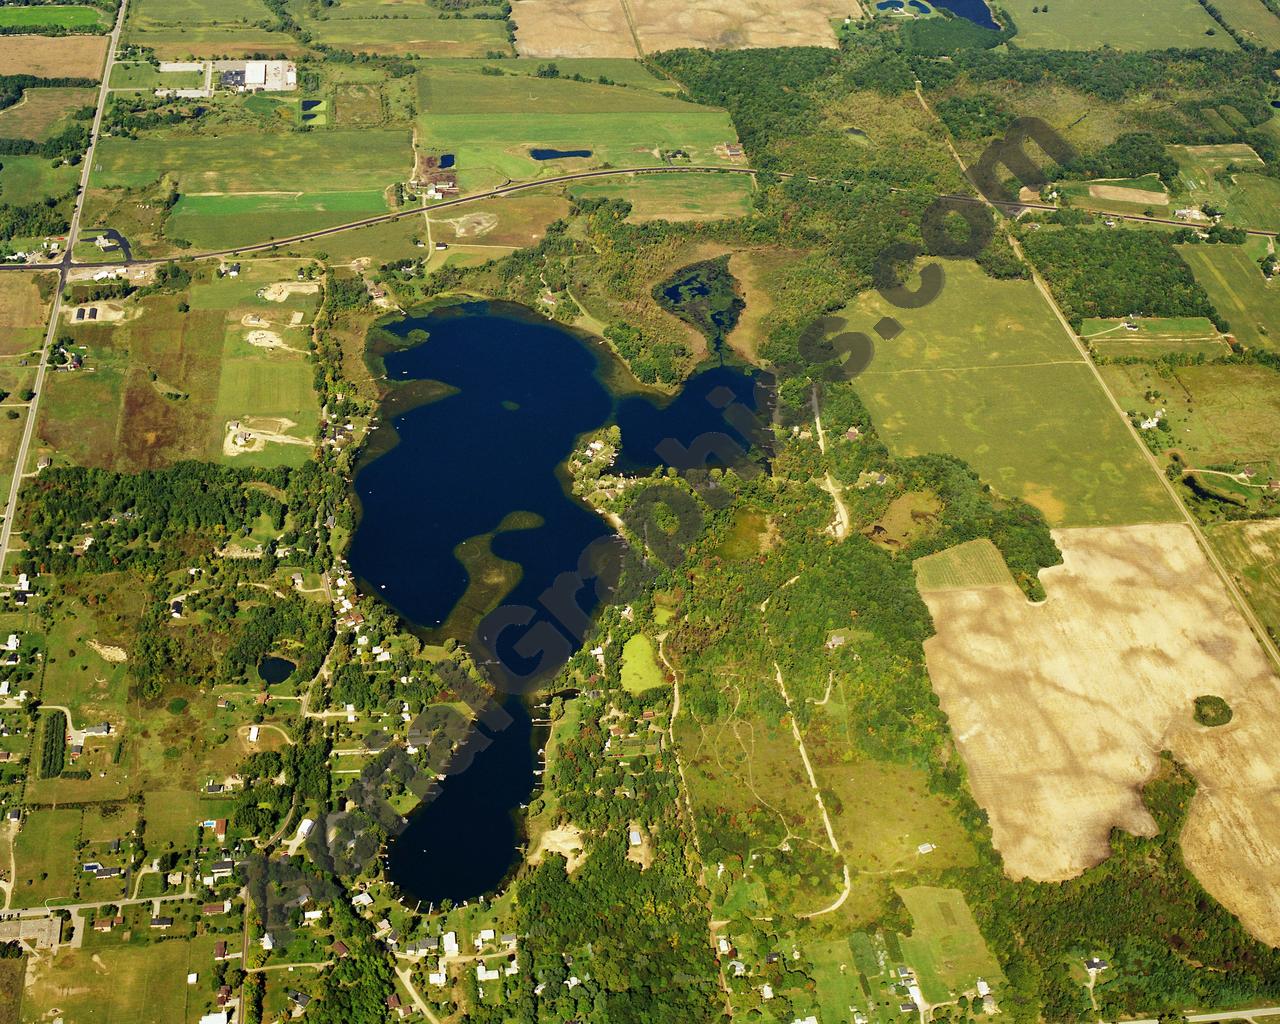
[
  {"x": 310, "y": 105},
  {"x": 446, "y": 161},
  {"x": 274, "y": 669},
  {"x": 558, "y": 154},
  {"x": 890, "y": 5}
]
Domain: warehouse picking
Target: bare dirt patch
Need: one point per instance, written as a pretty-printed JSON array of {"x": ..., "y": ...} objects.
[
  {"x": 108, "y": 652},
  {"x": 254, "y": 433},
  {"x": 53, "y": 56},
  {"x": 602, "y": 28},
  {"x": 281, "y": 290},
  {"x": 1120, "y": 194},
  {"x": 565, "y": 840},
  {"x": 1060, "y": 711},
  {"x": 267, "y": 339}
]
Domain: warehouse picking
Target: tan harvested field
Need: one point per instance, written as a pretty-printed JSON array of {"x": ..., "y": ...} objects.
[
  {"x": 40, "y": 111},
  {"x": 1061, "y": 709},
  {"x": 630, "y": 28},
  {"x": 511, "y": 223},
  {"x": 1120, "y": 194},
  {"x": 53, "y": 56}
]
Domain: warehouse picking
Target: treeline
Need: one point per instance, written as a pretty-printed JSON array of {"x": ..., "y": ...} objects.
[
  {"x": 1130, "y": 156},
  {"x": 53, "y": 744},
  {"x": 49, "y": 216},
  {"x": 1117, "y": 273},
  {"x": 13, "y": 86}
]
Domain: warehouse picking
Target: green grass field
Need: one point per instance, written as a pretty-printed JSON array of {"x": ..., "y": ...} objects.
[
  {"x": 1252, "y": 20},
  {"x": 1252, "y": 550},
  {"x": 975, "y": 563},
  {"x": 692, "y": 196},
  {"x": 133, "y": 983},
  {"x": 1188, "y": 335},
  {"x": 622, "y": 71},
  {"x": 1254, "y": 202},
  {"x": 640, "y": 668},
  {"x": 223, "y": 221},
  {"x": 51, "y": 16},
  {"x": 23, "y": 311},
  {"x": 28, "y": 179},
  {"x": 1137, "y": 25},
  {"x": 1239, "y": 292},
  {"x": 144, "y": 75},
  {"x": 986, "y": 373},
  {"x": 45, "y": 857},
  {"x": 945, "y": 946},
  {"x": 491, "y": 123}
]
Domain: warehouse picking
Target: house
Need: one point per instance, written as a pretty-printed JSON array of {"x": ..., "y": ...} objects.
[
  {"x": 210, "y": 909},
  {"x": 215, "y": 1018},
  {"x": 162, "y": 922},
  {"x": 103, "y": 924},
  {"x": 268, "y": 943},
  {"x": 908, "y": 1008},
  {"x": 983, "y": 988},
  {"x": 486, "y": 935},
  {"x": 224, "y": 995},
  {"x": 633, "y": 837},
  {"x": 441, "y": 246},
  {"x": 220, "y": 831},
  {"x": 1093, "y": 964},
  {"x": 214, "y": 788},
  {"x": 484, "y": 973},
  {"x": 363, "y": 899},
  {"x": 437, "y": 978},
  {"x": 450, "y": 940},
  {"x": 738, "y": 968},
  {"x": 221, "y": 869},
  {"x": 101, "y": 729},
  {"x": 340, "y": 948},
  {"x": 220, "y": 950},
  {"x": 108, "y": 873},
  {"x": 253, "y": 734},
  {"x": 766, "y": 991},
  {"x": 300, "y": 999}
]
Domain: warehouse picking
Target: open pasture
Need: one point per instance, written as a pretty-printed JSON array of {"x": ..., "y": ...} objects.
[
  {"x": 223, "y": 221},
  {"x": 1239, "y": 291},
  {"x": 510, "y": 222},
  {"x": 24, "y": 311},
  {"x": 45, "y": 857},
  {"x": 986, "y": 373},
  {"x": 29, "y": 179},
  {"x": 683, "y": 197},
  {"x": 1253, "y": 20},
  {"x": 1057, "y": 758},
  {"x": 623, "y": 71},
  {"x": 132, "y": 983},
  {"x": 1154, "y": 336},
  {"x": 189, "y": 28},
  {"x": 42, "y": 113},
  {"x": 53, "y": 56},
  {"x": 975, "y": 563},
  {"x": 1137, "y": 25}
]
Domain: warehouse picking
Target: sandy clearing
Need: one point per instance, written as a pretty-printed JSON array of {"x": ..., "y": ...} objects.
[
  {"x": 108, "y": 652},
  {"x": 472, "y": 225},
  {"x": 1060, "y": 711},
  {"x": 565, "y": 840},
  {"x": 281, "y": 290},
  {"x": 254, "y": 433},
  {"x": 1120, "y": 194}
]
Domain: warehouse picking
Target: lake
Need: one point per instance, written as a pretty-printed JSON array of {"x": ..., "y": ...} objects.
[
  {"x": 473, "y": 437},
  {"x": 558, "y": 154},
  {"x": 975, "y": 10},
  {"x": 275, "y": 670}
]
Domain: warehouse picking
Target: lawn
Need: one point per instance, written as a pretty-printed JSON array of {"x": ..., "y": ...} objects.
[
  {"x": 1239, "y": 292},
  {"x": 144, "y": 75},
  {"x": 640, "y": 668},
  {"x": 945, "y": 946},
  {"x": 68, "y": 16},
  {"x": 491, "y": 123},
  {"x": 1252, "y": 20},
  {"x": 986, "y": 373},
  {"x": 1136, "y": 25},
  {"x": 45, "y": 857},
  {"x": 134, "y": 983},
  {"x": 1252, "y": 551}
]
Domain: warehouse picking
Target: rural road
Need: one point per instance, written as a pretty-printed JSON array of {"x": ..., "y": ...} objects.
[
  {"x": 28, "y": 428},
  {"x": 1203, "y": 1018}
]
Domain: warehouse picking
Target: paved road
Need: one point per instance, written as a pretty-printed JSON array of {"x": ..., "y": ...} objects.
[
  {"x": 1203, "y": 1018},
  {"x": 28, "y": 429}
]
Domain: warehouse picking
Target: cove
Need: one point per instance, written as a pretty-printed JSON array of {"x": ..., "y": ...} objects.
[
  {"x": 463, "y": 506},
  {"x": 976, "y": 11}
]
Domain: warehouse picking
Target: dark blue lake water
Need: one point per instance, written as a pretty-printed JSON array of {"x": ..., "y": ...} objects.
[
  {"x": 275, "y": 670},
  {"x": 558, "y": 154},
  {"x": 975, "y": 10},
  {"x": 520, "y": 391}
]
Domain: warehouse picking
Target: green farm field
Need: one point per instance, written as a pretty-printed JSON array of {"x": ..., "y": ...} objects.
[
  {"x": 1138, "y": 25},
  {"x": 1252, "y": 550},
  {"x": 320, "y": 161},
  {"x": 491, "y": 124},
  {"x": 224, "y": 221},
  {"x": 1253, "y": 20},
  {"x": 975, "y": 563},
  {"x": 426, "y": 36},
  {"x": 70, "y": 16},
  {"x": 1189, "y": 335},
  {"x": 986, "y": 373},
  {"x": 1239, "y": 291},
  {"x": 620, "y": 70},
  {"x": 144, "y": 75},
  {"x": 183, "y": 28}
]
